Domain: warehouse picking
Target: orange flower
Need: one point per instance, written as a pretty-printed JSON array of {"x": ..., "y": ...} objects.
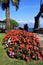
[
  {"x": 18, "y": 51},
  {"x": 28, "y": 41},
  {"x": 33, "y": 56},
  {"x": 40, "y": 57},
  {"x": 27, "y": 47},
  {"x": 10, "y": 49},
  {"x": 34, "y": 43},
  {"x": 30, "y": 46},
  {"x": 22, "y": 45}
]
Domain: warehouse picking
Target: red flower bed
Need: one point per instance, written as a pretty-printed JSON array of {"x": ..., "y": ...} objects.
[{"x": 23, "y": 45}]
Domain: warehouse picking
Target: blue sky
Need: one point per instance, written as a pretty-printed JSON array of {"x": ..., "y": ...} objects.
[{"x": 28, "y": 9}]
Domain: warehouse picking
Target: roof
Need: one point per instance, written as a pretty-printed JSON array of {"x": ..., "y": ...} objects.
[{"x": 2, "y": 22}]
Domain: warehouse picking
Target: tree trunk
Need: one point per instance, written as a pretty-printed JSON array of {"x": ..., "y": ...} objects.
[{"x": 7, "y": 19}]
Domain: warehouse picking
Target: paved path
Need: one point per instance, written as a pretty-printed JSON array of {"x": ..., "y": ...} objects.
[{"x": 40, "y": 36}]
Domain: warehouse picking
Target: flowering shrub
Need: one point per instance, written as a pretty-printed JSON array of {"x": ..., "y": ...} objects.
[{"x": 23, "y": 45}]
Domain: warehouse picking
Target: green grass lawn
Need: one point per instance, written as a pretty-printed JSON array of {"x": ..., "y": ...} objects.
[{"x": 5, "y": 60}]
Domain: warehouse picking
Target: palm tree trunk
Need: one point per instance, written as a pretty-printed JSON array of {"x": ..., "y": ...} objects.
[{"x": 7, "y": 19}]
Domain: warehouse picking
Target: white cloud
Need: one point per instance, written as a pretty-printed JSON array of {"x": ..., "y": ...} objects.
[
  {"x": 30, "y": 23},
  {"x": 24, "y": 22}
]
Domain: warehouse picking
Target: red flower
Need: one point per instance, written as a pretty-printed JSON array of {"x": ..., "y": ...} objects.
[
  {"x": 37, "y": 53},
  {"x": 42, "y": 52},
  {"x": 23, "y": 44},
  {"x": 28, "y": 60},
  {"x": 29, "y": 52},
  {"x": 12, "y": 56},
  {"x": 35, "y": 48},
  {"x": 34, "y": 43}
]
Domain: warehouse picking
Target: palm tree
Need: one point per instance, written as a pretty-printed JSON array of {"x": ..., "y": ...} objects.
[{"x": 5, "y": 6}]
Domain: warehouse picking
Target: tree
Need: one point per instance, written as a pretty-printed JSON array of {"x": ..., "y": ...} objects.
[
  {"x": 26, "y": 27},
  {"x": 13, "y": 23},
  {"x": 5, "y": 6}
]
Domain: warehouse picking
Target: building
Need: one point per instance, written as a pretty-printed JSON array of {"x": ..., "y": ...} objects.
[{"x": 2, "y": 26}]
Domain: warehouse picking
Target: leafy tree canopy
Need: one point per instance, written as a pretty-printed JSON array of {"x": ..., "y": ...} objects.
[{"x": 13, "y": 23}]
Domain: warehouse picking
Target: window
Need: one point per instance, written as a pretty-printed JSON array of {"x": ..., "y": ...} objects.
[
  {"x": 3, "y": 26},
  {"x": 0, "y": 25}
]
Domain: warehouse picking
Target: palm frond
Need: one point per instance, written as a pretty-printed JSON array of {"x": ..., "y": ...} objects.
[
  {"x": 4, "y": 1},
  {"x": 16, "y": 3},
  {"x": 5, "y": 4}
]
